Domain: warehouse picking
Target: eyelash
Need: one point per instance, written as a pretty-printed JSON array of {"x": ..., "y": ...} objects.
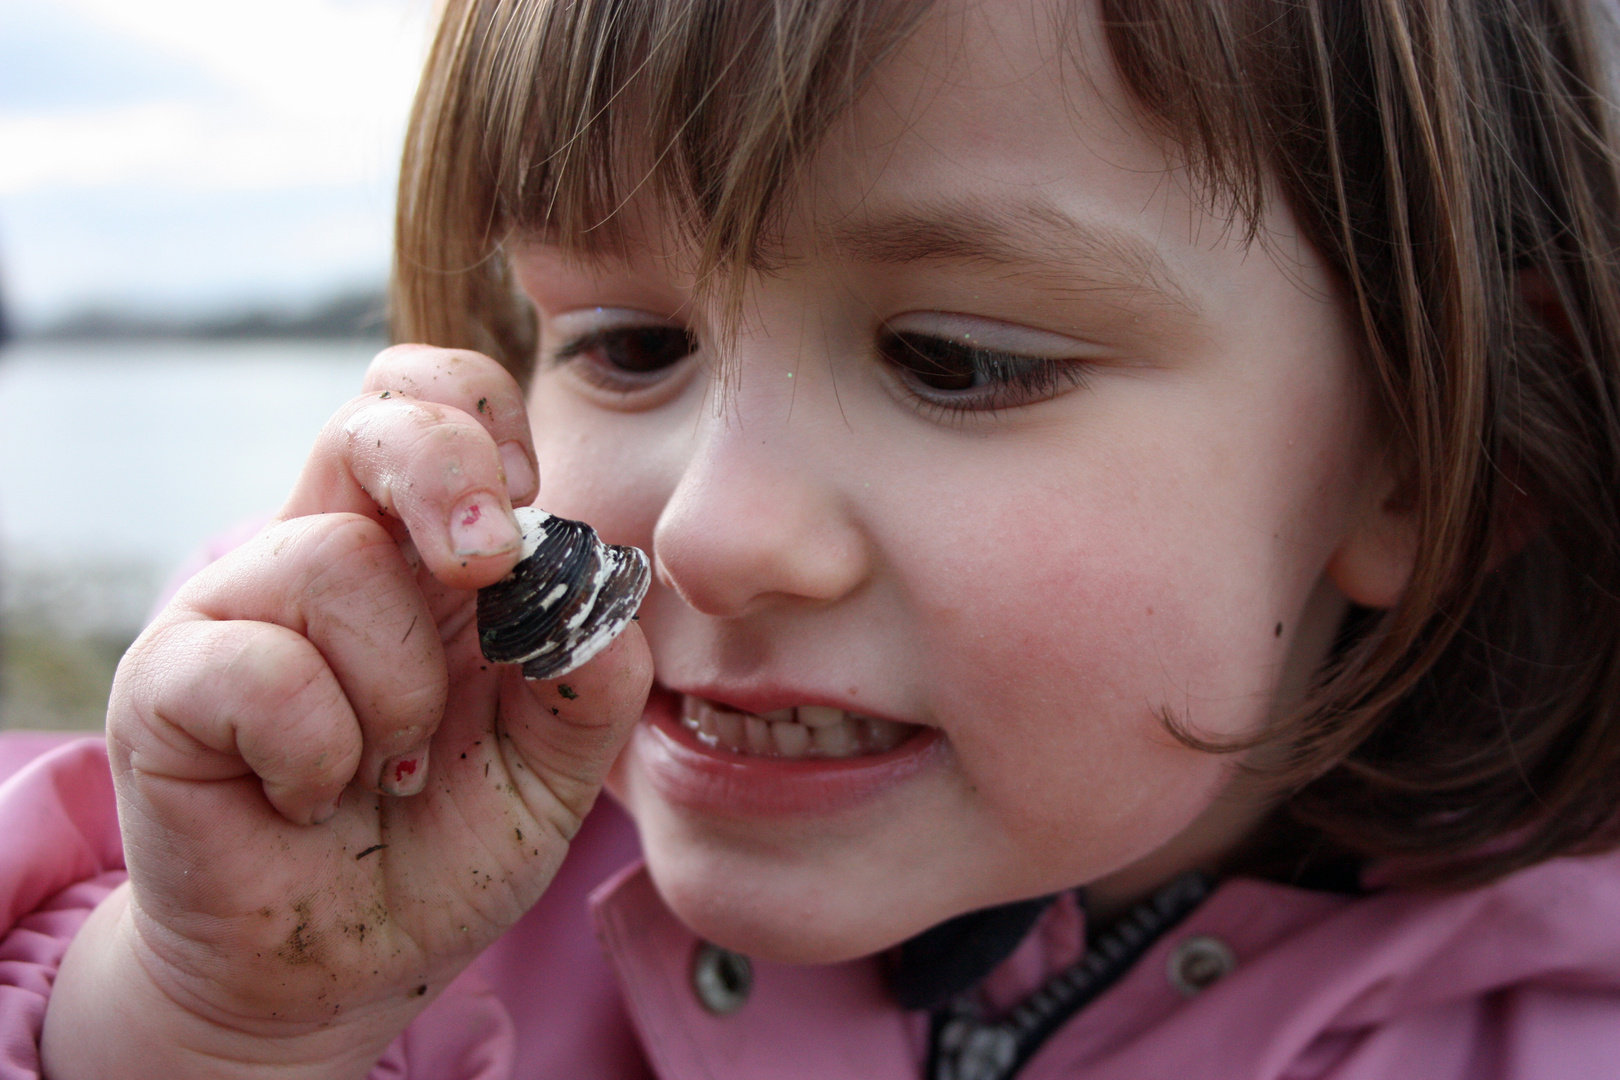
[
  {"x": 999, "y": 379},
  {"x": 996, "y": 379},
  {"x": 621, "y": 378}
]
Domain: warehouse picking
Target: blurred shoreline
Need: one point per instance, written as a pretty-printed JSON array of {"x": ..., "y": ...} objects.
[
  {"x": 353, "y": 315},
  {"x": 61, "y": 637},
  {"x": 119, "y": 458}
]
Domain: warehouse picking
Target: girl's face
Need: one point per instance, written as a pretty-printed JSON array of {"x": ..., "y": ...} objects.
[{"x": 1018, "y": 452}]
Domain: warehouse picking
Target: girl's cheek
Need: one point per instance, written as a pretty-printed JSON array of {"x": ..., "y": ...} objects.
[
  {"x": 1060, "y": 668},
  {"x": 598, "y": 467}
]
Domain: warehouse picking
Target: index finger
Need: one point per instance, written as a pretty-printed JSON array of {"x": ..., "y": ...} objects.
[
  {"x": 432, "y": 468},
  {"x": 441, "y": 442},
  {"x": 476, "y": 385}
]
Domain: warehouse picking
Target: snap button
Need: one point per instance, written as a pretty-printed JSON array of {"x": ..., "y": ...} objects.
[
  {"x": 970, "y": 1050},
  {"x": 721, "y": 978},
  {"x": 1198, "y": 963}
]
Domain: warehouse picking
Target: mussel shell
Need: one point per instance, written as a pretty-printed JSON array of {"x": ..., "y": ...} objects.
[{"x": 567, "y": 598}]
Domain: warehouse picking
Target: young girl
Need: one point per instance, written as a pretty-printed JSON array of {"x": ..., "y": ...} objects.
[{"x": 1132, "y": 491}]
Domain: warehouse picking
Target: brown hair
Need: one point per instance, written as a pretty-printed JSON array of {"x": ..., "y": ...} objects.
[{"x": 1454, "y": 162}]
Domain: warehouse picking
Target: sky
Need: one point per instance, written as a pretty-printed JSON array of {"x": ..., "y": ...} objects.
[{"x": 178, "y": 157}]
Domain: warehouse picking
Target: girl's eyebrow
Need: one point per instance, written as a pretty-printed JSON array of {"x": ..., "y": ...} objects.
[{"x": 1038, "y": 237}]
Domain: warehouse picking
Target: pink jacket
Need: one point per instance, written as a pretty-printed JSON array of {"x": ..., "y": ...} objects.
[{"x": 1518, "y": 980}]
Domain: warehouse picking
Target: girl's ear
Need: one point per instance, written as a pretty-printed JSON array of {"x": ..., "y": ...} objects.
[{"x": 1374, "y": 562}]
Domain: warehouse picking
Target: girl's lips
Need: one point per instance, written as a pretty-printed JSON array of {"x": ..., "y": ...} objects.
[{"x": 716, "y": 781}]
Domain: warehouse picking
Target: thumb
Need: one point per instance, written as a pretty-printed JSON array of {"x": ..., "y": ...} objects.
[{"x": 569, "y": 730}]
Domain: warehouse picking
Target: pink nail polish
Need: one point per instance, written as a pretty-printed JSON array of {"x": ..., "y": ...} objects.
[
  {"x": 404, "y": 774},
  {"x": 480, "y": 525},
  {"x": 520, "y": 478}
]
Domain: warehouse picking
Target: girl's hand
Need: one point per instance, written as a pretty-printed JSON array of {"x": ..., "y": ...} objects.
[{"x": 330, "y": 801}]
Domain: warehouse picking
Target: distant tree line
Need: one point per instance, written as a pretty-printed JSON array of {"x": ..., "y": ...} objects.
[
  {"x": 5, "y": 320},
  {"x": 357, "y": 314}
]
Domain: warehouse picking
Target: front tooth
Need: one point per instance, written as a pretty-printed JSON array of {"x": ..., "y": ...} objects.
[
  {"x": 759, "y": 735},
  {"x": 777, "y": 716},
  {"x": 699, "y": 718},
  {"x": 792, "y": 740},
  {"x": 729, "y": 727},
  {"x": 834, "y": 740},
  {"x": 818, "y": 716}
]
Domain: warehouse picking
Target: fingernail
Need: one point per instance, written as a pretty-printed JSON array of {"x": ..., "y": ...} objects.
[
  {"x": 404, "y": 774},
  {"x": 520, "y": 479},
  {"x": 326, "y": 813},
  {"x": 479, "y": 525}
]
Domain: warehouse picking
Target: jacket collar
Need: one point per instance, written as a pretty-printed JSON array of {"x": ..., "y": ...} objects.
[
  {"x": 1312, "y": 970},
  {"x": 809, "y": 1021}
]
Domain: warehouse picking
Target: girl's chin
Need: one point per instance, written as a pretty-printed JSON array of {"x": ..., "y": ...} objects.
[
  {"x": 772, "y": 857},
  {"x": 778, "y": 924}
]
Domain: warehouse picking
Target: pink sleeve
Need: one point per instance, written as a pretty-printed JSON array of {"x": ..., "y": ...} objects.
[
  {"x": 60, "y": 858},
  {"x": 63, "y": 855},
  {"x": 467, "y": 1034}
]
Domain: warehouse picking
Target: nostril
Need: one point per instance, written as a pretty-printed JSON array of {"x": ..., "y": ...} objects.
[{"x": 661, "y": 573}]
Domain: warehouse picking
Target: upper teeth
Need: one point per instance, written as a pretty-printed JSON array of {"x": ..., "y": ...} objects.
[{"x": 804, "y": 731}]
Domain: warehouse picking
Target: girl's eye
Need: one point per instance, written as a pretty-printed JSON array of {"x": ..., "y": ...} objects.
[
  {"x": 627, "y": 356},
  {"x": 961, "y": 376},
  {"x": 637, "y": 350}
]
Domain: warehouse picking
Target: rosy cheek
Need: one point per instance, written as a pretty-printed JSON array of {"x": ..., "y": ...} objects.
[{"x": 1050, "y": 675}]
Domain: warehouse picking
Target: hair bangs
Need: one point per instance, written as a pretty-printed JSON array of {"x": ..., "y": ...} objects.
[{"x": 564, "y": 119}]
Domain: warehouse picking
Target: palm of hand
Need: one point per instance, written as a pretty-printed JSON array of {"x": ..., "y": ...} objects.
[{"x": 302, "y": 923}]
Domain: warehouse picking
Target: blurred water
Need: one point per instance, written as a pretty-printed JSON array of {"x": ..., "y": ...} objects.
[{"x": 118, "y": 459}]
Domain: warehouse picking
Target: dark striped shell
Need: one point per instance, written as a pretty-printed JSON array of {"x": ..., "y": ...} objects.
[{"x": 567, "y": 598}]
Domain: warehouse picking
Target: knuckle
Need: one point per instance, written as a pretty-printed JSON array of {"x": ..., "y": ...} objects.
[
  {"x": 310, "y": 752},
  {"x": 293, "y": 718},
  {"x": 469, "y": 380},
  {"x": 398, "y": 354},
  {"x": 138, "y": 685},
  {"x": 418, "y": 701},
  {"x": 386, "y": 418},
  {"x": 361, "y": 421},
  {"x": 276, "y": 666},
  {"x": 339, "y": 549},
  {"x": 416, "y": 361},
  {"x": 401, "y": 713},
  {"x": 411, "y": 437},
  {"x": 166, "y": 661},
  {"x": 340, "y": 537},
  {"x": 451, "y": 445},
  {"x": 338, "y": 431},
  {"x": 356, "y": 566}
]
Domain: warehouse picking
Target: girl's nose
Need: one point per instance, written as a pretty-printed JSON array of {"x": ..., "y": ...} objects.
[{"x": 753, "y": 523}]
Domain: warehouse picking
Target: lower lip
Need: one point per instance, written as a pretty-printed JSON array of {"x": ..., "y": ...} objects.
[{"x": 718, "y": 782}]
